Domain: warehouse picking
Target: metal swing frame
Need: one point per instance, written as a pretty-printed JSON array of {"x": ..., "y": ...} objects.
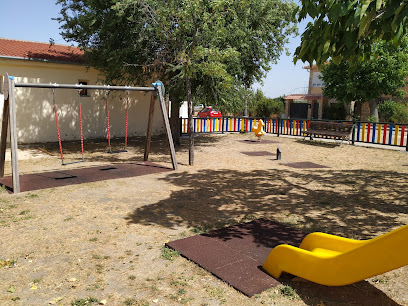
[{"x": 9, "y": 120}]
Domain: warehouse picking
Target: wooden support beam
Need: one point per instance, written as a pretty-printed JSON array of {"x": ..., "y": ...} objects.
[
  {"x": 149, "y": 128},
  {"x": 13, "y": 136},
  {"x": 3, "y": 137},
  {"x": 167, "y": 126}
]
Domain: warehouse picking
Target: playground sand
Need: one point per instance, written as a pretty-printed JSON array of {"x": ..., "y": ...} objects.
[{"x": 105, "y": 239}]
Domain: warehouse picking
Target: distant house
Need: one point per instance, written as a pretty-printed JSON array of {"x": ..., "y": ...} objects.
[
  {"x": 34, "y": 62},
  {"x": 310, "y": 105}
]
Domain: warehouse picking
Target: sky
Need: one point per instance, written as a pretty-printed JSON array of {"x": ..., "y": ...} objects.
[{"x": 32, "y": 20}]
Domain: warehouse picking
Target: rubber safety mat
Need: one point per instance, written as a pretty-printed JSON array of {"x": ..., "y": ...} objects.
[
  {"x": 258, "y": 153},
  {"x": 236, "y": 254},
  {"x": 254, "y": 141},
  {"x": 36, "y": 181},
  {"x": 305, "y": 165}
]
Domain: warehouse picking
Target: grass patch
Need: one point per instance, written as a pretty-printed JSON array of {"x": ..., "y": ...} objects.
[
  {"x": 24, "y": 212},
  {"x": 217, "y": 293},
  {"x": 7, "y": 263},
  {"x": 99, "y": 268},
  {"x": 169, "y": 254},
  {"x": 131, "y": 301},
  {"x": 3, "y": 189},
  {"x": 88, "y": 301},
  {"x": 289, "y": 292}
]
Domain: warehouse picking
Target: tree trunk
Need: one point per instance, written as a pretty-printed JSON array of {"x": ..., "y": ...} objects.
[
  {"x": 374, "y": 110},
  {"x": 190, "y": 122},
  {"x": 175, "y": 120}
]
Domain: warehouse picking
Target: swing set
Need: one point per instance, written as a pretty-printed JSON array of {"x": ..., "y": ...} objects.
[
  {"x": 9, "y": 120},
  {"x": 80, "y": 125}
]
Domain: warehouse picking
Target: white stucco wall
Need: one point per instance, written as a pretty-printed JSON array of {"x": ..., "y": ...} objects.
[{"x": 35, "y": 110}]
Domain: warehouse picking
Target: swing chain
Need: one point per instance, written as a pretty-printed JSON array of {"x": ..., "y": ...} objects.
[
  {"x": 53, "y": 95},
  {"x": 79, "y": 95}
]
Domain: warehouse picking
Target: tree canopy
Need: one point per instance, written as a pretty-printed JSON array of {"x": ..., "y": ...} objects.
[
  {"x": 369, "y": 80},
  {"x": 384, "y": 75},
  {"x": 347, "y": 30},
  {"x": 219, "y": 44},
  {"x": 195, "y": 46}
]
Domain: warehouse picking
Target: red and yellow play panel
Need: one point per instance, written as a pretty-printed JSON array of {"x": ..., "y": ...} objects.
[
  {"x": 36, "y": 181},
  {"x": 235, "y": 254}
]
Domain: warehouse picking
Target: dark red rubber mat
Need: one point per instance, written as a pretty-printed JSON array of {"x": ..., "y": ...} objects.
[
  {"x": 258, "y": 153},
  {"x": 236, "y": 254},
  {"x": 60, "y": 178},
  {"x": 305, "y": 165},
  {"x": 263, "y": 141}
]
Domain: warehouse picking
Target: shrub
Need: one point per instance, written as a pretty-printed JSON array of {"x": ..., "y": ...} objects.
[
  {"x": 268, "y": 107},
  {"x": 335, "y": 111},
  {"x": 392, "y": 111}
]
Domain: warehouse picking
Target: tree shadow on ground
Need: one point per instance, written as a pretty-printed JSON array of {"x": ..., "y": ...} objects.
[
  {"x": 354, "y": 203},
  {"x": 98, "y": 149},
  {"x": 361, "y": 293},
  {"x": 357, "y": 204}
]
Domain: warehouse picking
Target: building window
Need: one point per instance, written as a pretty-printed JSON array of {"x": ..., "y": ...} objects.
[{"x": 83, "y": 92}]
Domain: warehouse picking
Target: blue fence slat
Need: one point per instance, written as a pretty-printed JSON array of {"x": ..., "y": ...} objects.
[
  {"x": 374, "y": 132},
  {"x": 358, "y": 131},
  {"x": 390, "y": 133}
]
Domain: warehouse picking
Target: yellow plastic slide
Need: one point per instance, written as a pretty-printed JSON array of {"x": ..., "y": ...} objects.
[{"x": 336, "y": 261}]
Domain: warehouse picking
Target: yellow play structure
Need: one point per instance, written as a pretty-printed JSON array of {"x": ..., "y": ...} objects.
[
  {"x": 336, "y": 261},
  {"x": 258, "y": 129}
]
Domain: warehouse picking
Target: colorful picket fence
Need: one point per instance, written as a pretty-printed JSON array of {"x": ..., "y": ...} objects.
[{"x": 376, "y": 133}]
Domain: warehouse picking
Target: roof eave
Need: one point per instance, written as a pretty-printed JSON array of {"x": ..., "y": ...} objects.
[{"x": 40, "y": 60}]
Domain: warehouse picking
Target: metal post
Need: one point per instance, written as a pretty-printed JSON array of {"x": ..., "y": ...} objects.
[
  {"x": 353, "y": 135},
  {"x": 149, "y": 128},
  {"x": 278, "y": 153},
  {"x": 406, "y": 148},
  {"x": 167, "y": 125},
  {"x": 4, "y": 128},
  {"x": 13, "y": 137}
]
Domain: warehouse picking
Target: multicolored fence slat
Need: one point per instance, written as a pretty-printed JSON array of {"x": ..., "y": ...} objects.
[{"x": 376, "y": 133}]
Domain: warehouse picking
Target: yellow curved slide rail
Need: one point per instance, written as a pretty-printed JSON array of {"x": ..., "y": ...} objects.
[{"x": 336, "y": 261}]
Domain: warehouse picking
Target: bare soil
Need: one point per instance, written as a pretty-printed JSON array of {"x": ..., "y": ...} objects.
[{"x": 104, "y": 241}]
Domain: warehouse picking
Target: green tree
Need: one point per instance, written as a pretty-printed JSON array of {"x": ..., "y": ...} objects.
[
  {"x": 335, "y": 111},
  {"x": 265, "y": 107},
  {"x": 369, "y": 80},
  {"x": 346, "y": 30},
  {"x": 392, "y": 111},
  {"x": 194, "y": 46}
]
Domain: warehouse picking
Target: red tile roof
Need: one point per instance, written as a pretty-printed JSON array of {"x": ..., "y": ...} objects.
[
  {"x": 303, "y": 97},
  {"x": 40, "y": 51}
]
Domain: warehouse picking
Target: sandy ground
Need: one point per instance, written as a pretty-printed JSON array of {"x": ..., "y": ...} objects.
[{"x": 104, "y": 241}]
